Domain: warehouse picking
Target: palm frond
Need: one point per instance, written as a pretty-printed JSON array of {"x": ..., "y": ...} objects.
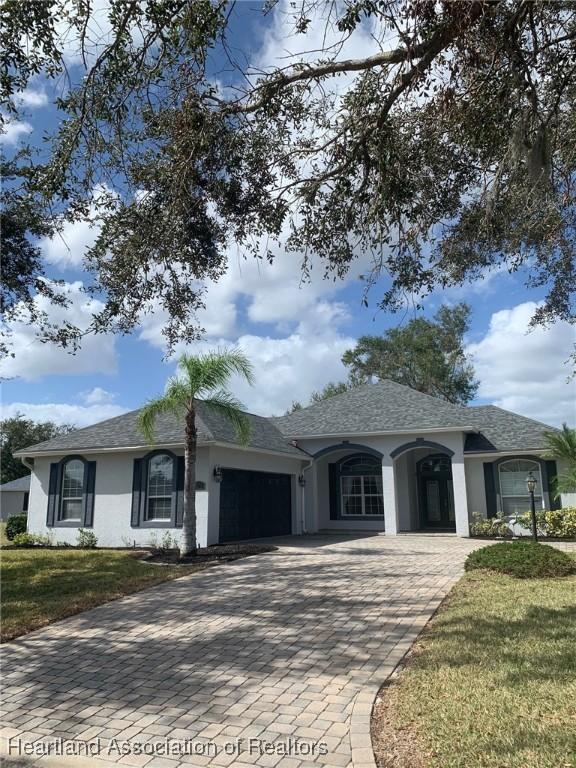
[
  {"x": 173, "y": 401},
  {"x": 225, "y": 404},
  {"x": 562, "y": 445},
  {"x": 212, "y": 370}
]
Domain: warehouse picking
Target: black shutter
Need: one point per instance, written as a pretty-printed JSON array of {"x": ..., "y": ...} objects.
[
  {"x": 179, "y": 491},
  {"x": 136, "y": 493},
  {"x": 53, "y": 494},
  {"x": 333, "y": 490},
  {"x": 90, "y": 469},
  {"x": 490, "y": 488},
  {"x": 551, "y": 475}
]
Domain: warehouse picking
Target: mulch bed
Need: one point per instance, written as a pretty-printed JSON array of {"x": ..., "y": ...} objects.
[{"x": 217, "y": 553}]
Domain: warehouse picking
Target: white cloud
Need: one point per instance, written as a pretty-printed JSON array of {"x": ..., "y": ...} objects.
[
  {"x": 13, "y": 131},
  {"x": 68, "y": 246},
  {"x": 525, "y": 370},
  {"x": 34, "y": 359},
  {"x": 98, "y": 396},
  {"x": 32, "y": 98},
  {"x": 63, "y": 413}
]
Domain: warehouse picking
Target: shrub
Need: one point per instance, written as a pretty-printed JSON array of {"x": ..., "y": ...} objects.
[
  {"x": 14, "y": 525},
  {"x": 32, "y": 540},
  {"x": 166, "y": 543},
  {"x": 87, "y": 539},
  {"x": 558, "y": 523},
  {"x": 492, "y": 526},
  {"x": 522, "y": 559}
]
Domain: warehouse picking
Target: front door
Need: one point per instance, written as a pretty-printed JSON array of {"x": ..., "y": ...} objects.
[{"x": 436, "y": 502}]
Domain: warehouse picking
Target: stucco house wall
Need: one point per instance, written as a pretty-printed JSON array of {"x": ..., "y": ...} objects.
[{"x": 11, "y": 503}]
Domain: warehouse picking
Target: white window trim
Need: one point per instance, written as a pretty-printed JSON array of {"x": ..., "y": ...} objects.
[
  {"x": 361, "y": 495},
  {"x": 150, "y": 496},
  {"x": 64, "y": 498},
  {"x": 537, "y": 472}
]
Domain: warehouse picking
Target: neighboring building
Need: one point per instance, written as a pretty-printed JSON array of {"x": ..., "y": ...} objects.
[
  {"x": 14, "y": 497},
  {"x": 381, "y": 457}
]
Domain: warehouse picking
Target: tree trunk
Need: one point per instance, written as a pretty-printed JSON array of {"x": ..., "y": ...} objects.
[{"x": 189, "y": 544}]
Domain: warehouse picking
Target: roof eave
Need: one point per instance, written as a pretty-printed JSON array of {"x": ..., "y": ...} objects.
[{"x": 427, "y": 431}]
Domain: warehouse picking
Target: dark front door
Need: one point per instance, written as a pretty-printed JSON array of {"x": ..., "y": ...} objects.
[
  {"x": 254, "y": 505},
  {"x": 436, "y": 501}
]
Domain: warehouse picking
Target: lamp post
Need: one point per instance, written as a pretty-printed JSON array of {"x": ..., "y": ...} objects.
[{"x": 531, "y": 483}]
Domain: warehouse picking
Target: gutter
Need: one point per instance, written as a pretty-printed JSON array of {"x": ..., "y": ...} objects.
[{"x": 380, "y": 433}]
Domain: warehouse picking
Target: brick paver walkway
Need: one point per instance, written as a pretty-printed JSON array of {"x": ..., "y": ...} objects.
[{"x": 287, "y": 650}]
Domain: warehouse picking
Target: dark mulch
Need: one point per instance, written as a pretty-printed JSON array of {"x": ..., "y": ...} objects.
[{"x": 216, "y": 553}]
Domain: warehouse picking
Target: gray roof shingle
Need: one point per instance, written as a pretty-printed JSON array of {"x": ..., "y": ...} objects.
[
  {"x": 502, "y": 430},
  {"x": 374, "y": 408},
  {"x": 20, "y": 484},
  {"x": 122, "y": 432}
]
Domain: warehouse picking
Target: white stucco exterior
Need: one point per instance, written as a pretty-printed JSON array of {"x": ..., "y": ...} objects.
[{"x": 399, "y": 455}]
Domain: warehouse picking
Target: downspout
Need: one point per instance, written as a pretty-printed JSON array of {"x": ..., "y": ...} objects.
[
  {"x": 303, "y": 487},
  {"x": 29, "y": 463}
]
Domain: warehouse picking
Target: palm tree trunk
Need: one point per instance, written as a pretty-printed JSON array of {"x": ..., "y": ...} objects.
[{"x": 189, "y": 544}]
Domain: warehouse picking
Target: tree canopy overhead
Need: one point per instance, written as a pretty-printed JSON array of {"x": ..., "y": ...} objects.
[{"x": 446, "y": 151}]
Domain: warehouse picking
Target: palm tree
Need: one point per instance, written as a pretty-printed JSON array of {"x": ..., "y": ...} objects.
[
  {"x": 562, "y": 445},
  {"x": 202, "y": 378}
]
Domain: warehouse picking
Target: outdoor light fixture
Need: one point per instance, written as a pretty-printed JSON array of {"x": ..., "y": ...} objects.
[
  {"x": 217, "y": 473},
  {"x": 301, "y": 481},
  {"x": 531, "y": 484}
]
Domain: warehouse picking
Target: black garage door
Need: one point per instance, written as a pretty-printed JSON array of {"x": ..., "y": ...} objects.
[{"x": 254, "y": 504}]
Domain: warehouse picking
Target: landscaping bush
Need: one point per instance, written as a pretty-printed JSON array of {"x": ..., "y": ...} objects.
[
  {"x": 24, "y": 540},
  {"x": 558, "y": 523},
  {"x": 14, "y": 525},
  {"x": 491, "y": 526},
  {"x": 522, "y": 559},
  {"x": 87, "y": 539}
]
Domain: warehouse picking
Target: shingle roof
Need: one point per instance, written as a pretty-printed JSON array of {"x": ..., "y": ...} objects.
[
  {"x": 20, "y": 484},
  {"x": 122, "y": 432},
  {"x": 373, "y": 408},
  {"x": 502, "y": 430}
]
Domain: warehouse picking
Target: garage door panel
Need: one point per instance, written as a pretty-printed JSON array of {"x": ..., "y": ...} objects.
[{"x": 254, "y": 505}]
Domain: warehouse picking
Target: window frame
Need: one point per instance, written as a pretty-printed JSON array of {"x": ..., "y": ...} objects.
[
  {"x": 169, "y": 495},
  {"x": 143, "y": 521},
  {"x": 58, "y": 521},
  {"x": 364, "y": 461},
  {"x": 539, "y": 497}
]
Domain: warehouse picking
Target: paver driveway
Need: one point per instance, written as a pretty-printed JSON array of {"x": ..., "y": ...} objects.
[{"x": 286, "y": 649}]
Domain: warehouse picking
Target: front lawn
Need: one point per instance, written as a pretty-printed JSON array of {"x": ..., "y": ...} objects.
[
  {"x": 491, "y": 682},
  {"x": 42, "y": 585}
]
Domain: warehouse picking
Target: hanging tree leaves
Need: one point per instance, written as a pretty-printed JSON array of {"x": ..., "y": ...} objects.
[{"x": 446, "y": 152}]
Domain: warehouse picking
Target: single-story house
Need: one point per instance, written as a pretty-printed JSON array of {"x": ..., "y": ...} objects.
[
  {"x": 14, "y": 497},
  {"x": 381, "y": 457}
]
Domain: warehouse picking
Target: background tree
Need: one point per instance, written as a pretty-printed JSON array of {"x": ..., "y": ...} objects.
[
  {"x": 17, "y": 433},
  {"x": 562, "y": 445},
  {"x": 202, "y": 377},
  {"x": 427, "y": 355},
  {"x": 447, "y": 151}
]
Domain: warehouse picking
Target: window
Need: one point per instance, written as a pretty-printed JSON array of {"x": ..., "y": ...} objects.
[
  {"x": 513, "y": 490},
  {"x": 160, "y": 487},
  {"x": 25, "y": 501},
  {"x": 361, "y": 487},
  {"x": 72, "y": 494}
]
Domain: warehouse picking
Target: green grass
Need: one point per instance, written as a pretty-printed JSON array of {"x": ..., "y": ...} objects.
[
  {"x": 42, "y": 585},
  {"x": 491, "y": 684}
]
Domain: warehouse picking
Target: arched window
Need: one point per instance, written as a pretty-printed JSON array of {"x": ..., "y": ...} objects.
[
  {"x": 72, "y": 493},
  {"x": 160, "y": 487},
  {"x": 513, "y": 489},
  {"x": 361, "y": 486}
]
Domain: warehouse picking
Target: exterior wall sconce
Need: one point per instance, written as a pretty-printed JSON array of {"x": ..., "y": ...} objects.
[
  {"x": 301, "y": 481},
  {"x": 217, "y": 473}
]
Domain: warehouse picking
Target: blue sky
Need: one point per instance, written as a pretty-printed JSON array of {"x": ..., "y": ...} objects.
[{"x": 294, "y": 333}]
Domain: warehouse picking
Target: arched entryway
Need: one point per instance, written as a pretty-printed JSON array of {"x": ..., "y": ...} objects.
[{"x": 435, "y": 493}]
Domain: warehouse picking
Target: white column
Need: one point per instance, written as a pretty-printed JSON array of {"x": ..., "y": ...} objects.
[
  {"x": 389, "y": 493},
  {"x": 460, "y": 497}
]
